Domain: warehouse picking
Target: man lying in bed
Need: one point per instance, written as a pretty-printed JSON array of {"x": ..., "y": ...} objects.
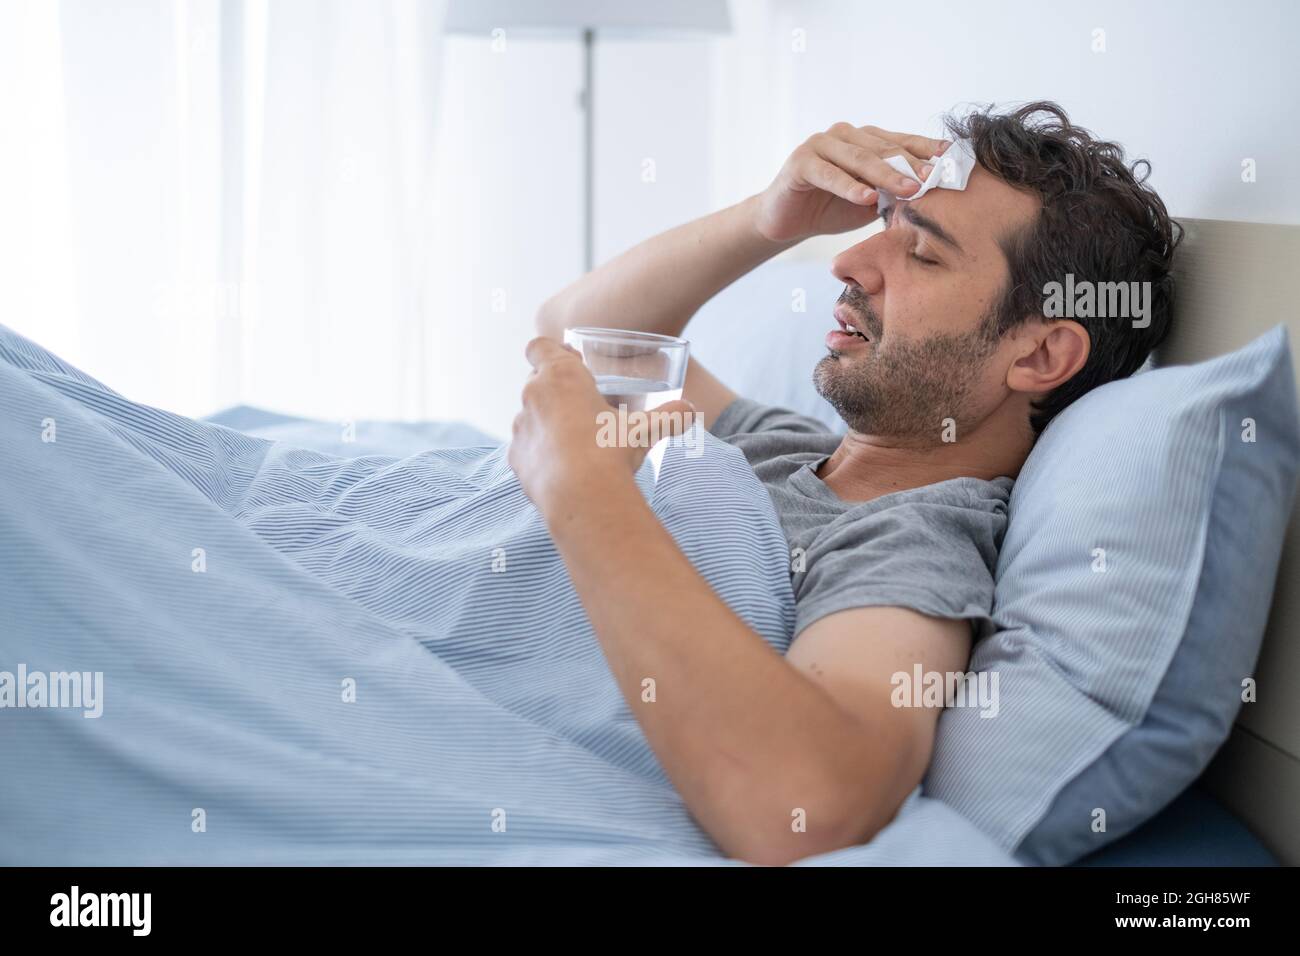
[{"x": 944, "y": 367}]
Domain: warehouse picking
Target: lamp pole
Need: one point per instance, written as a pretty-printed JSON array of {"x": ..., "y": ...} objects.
[{"x": 589, "y": 149}]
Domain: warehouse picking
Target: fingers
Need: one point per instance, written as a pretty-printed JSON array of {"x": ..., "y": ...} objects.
[
  {"x": 542, "y": 350},
  {"x": 864, "y": 161},
  {"x": 922, "y": 146},
  {"x": 851, "y": 162},
  {"x": 832, "y": 178},
  {"x": 673, "y": 418}
]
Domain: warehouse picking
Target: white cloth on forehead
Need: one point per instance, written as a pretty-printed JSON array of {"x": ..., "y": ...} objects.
[{"x": 951, "y": 171}]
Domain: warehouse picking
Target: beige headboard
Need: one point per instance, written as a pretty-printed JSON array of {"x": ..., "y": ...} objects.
[{"x": 1235, "y": 281}]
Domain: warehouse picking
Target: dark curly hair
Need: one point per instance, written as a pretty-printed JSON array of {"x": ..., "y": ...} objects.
[{"x": 1099, "y": 222}]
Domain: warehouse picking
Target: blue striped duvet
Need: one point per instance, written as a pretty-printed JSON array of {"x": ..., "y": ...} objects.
[{"x": 308, "y": 658}]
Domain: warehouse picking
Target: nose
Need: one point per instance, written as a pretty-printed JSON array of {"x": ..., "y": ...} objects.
[{"x": 857, "y": 265}]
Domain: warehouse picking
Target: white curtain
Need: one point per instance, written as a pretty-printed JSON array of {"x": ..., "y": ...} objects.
[{"x": 204, "y": 203}]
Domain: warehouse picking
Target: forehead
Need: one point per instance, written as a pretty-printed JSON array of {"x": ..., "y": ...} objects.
[{"x": 979, "y": 216}]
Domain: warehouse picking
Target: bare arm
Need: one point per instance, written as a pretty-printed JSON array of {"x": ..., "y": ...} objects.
[
  {"x": 826, "y": 186},
  {"x": 658, "y": 285},
  {"x": 753, "y": 742}
]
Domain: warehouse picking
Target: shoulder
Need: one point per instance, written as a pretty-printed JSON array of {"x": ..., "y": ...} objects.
[
  {"x": 745, "y": 416},
  {"x": 932, "y": 549},
  {"x": 963, "y": 513}
]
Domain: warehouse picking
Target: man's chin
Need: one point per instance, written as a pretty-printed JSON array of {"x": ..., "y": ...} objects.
[
  {"x": 825, "y": 379},
  {"x": 833, "y": 370}
]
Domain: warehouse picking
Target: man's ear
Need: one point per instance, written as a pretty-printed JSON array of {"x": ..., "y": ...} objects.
[{"x": 1051, "y": 353}]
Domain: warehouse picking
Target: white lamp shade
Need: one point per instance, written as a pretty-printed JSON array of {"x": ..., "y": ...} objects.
[{"x": 633, "y": 17}]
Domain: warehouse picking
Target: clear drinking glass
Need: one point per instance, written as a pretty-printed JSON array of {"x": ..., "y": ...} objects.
[{"x": 638, "y": 369}]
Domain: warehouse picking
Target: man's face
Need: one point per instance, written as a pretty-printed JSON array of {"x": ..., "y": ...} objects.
[{"x": 922, "y": 291}]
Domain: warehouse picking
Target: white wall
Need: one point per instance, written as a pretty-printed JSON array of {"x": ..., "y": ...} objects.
[
  {"x": 507, "y": 201},
  {"x": 653, "y": 118},
  {"x": 1196, "y": 86},
  {"x": 510, "y": 176}
]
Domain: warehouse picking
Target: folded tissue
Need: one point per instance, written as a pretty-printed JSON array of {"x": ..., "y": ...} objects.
[{"x": 951, "y": 171}]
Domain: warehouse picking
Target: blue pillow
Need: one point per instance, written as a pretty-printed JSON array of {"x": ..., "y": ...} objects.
[
  {"x": 1133, "y": 587},
  {"x": 1194, "y": 830}
]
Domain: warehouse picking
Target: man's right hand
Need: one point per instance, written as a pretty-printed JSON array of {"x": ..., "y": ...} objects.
[{"x": 829, "y": 184}]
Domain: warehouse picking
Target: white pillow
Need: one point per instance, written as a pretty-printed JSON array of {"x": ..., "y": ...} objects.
[{"x": 763, "y": 334}]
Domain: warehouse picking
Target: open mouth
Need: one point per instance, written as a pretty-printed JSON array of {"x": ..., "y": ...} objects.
[
  {"x": 850, "y": 333},
  {"x": 851, "y": 329}
]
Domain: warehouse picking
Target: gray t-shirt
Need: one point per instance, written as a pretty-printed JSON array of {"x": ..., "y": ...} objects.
[{"x": 933, "y": 549}]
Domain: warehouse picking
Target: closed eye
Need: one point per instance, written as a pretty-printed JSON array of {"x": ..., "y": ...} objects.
[
  {"x": 889, "y": 223},
  {"x": 909, "y": 213}
]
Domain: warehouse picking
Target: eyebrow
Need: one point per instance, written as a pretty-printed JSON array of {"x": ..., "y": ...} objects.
[{"x": 926, "y": 224}]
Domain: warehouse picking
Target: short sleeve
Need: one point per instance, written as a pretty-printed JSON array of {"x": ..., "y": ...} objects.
[
  {"x": 936, "y": 555},
  {"x": 744, "y": 416}
]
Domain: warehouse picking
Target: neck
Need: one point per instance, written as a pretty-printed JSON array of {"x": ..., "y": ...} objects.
[{"x": 866, "y": 466}]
